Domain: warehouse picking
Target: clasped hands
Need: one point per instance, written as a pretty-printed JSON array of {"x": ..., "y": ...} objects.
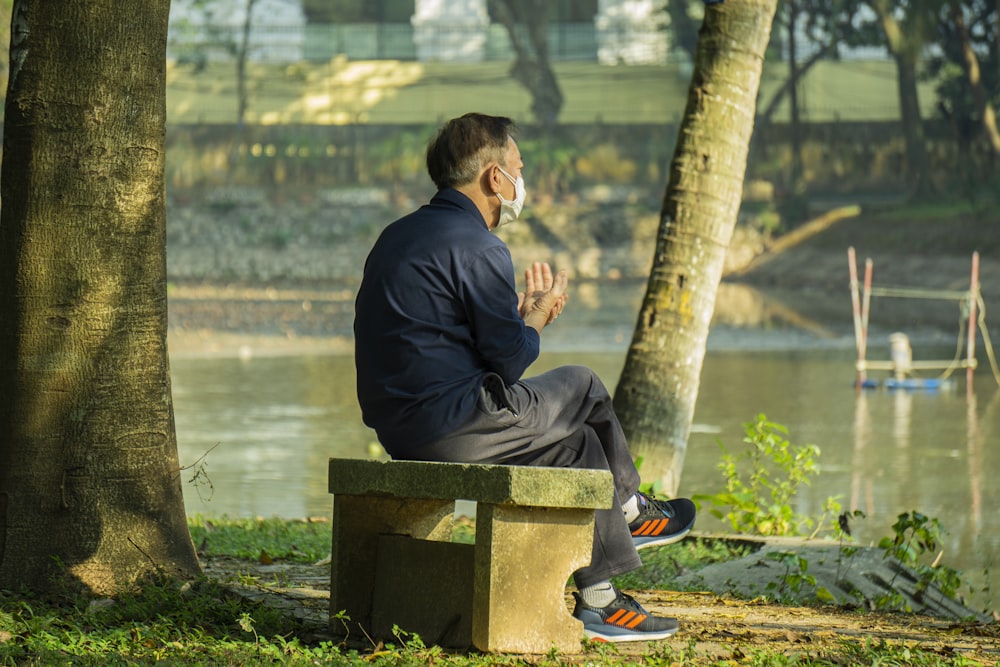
[{"x": 544, "y": 296}]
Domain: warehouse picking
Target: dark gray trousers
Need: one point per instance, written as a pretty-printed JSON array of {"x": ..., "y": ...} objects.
[{"x": 563, "y": 419}]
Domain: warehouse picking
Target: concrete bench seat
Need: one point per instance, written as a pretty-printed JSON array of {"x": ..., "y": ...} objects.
[{"x": 393, "y": 562}]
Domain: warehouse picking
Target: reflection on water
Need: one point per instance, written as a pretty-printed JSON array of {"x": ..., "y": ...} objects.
[{"x": 260, "y": 432}]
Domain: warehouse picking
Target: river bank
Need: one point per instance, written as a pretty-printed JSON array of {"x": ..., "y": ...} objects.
[{"x": 266, "y": 279}]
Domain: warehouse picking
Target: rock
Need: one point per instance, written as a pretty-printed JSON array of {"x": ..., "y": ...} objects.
[{"x": 810, "y": 571}]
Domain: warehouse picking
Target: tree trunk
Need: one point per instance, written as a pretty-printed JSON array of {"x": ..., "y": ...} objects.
[
  {"x": 5, "y": 7},
  {"x": 242, "y": 54},
  {"x": 905, "y": 47},
  {"x": 655, "y": 398},
  {"x": 531, "y": 67},
  {"x": 795, "y": 124},
  {"x": 90, "y": 486},
  {"x": 913, "y": 128}
]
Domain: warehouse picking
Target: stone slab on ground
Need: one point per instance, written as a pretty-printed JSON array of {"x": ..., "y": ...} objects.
[{"x": 849, "y": 574}]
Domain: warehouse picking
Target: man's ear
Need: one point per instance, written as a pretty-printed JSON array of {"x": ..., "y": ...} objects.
[{"x": 492, "y": 176}]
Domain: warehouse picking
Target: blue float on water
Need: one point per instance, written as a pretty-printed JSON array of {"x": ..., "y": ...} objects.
[{"x": 931, "y": 384}]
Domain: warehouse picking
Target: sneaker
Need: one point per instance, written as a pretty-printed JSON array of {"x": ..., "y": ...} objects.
[
  {"x": 661, "y": 521},
  {"x": 624, "y": 620}
]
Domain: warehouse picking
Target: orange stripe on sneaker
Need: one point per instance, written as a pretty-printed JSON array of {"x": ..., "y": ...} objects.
[
  {"x": 639, "y": 618},
  {"x": 644, "y": 528},
  {"x": 614, "y": 618},
  {"x": 624, "y": 620},
  {"x": 653, "y": 527}
]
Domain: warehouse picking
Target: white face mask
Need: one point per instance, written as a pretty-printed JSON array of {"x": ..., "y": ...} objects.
[{"x": 510, "y": 209}]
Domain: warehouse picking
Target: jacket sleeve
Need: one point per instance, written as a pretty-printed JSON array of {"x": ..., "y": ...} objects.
[{"x": 506, "y": 344}]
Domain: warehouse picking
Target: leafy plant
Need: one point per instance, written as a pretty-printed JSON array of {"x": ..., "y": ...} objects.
[
  {"x": 759, "y": 500},
  {"x": 914, "y": 536},
  {"x": 846, "y": 553},
  {"x": 796, "y": 576}
]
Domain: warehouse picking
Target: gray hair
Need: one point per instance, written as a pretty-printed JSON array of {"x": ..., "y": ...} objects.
[{"x": 464, "y": 145}]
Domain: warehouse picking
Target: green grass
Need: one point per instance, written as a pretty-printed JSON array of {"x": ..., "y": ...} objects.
[
  {"x": 393, "y": 92},
  {"x": 300, "y": 541}
]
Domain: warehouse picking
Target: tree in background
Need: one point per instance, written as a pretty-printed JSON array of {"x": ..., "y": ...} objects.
[
  {"x": 217, "y": 21},
  {"x": 966, "y": 68},
  {"x": 655, "y": 397},
  {"x": 906, "y": 28},
  {"x": 5, "y": 9},
  {"x": 527, "y": 24},
  {"x": 90, "y": 486},
  {"x": 821, "y": 23},
  {"x": 684, "y": 20},
  {"x": 242, "y": 53}
]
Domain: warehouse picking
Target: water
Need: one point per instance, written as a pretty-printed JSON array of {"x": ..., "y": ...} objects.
[{"x": 256, "y": 435}]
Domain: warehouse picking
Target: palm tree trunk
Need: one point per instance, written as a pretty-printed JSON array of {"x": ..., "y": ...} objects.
[{"x": 655, "y": 398}]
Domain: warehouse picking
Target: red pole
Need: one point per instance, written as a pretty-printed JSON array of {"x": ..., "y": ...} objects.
[
  {"x": 866, "y": 301},
  {"x": 856, "y": 308},
  {"x": 971, "y": 343}
]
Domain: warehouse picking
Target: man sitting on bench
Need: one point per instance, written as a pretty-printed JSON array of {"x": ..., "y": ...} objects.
[{"x": 442, "y": 338}]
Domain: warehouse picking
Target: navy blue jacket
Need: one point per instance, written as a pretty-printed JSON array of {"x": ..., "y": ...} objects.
[{"x": 436, "y": 311}]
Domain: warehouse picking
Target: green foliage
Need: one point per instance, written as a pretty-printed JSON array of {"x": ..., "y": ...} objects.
[
  {"x": 796, "y": 576},
  {"x": 399, "y": 158},
  {"x": 759, "y": 500},
  {"x": 654, "y": 488},
  {"x": 915, "y": 536},
  {"x": 881, "y": 652},
  {"x": 550, "y": 160}
]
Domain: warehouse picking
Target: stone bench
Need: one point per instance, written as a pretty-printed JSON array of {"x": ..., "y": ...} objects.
[{"x": 393, "y": 562}]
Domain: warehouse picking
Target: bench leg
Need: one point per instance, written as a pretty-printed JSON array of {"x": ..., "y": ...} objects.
[
  {"x": 523, "y": 559},
  {"x": 357, "y": 523}
]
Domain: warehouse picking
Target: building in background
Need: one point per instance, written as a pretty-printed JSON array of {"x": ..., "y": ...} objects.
[
  {"x": 632, "y": 32},
  {"x": 450, "y": 30},
  {"x": 611, "y": 32},
  {"x": 212, "y": 30}
]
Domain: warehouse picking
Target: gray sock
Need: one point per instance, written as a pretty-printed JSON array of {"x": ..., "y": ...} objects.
[
  {"x": 631, "y": 509},
  {"x": 598, "y": 595}
]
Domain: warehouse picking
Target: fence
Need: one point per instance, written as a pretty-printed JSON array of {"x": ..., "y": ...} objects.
[
  {"x": 840, "y": 157},
  {"x": 377, "y": 41}
]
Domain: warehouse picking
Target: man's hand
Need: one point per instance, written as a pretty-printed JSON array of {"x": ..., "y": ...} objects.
[{"x": 544, "y": 296}]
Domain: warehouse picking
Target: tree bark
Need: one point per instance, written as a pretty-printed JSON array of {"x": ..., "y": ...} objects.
[
  {"x": 655, "y": 398},
  {"x": 90, "y": 485},
  {"x": 5, "y": 9}
]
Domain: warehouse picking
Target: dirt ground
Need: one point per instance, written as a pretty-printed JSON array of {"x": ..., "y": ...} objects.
[{"x": 714, "y": 626}]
